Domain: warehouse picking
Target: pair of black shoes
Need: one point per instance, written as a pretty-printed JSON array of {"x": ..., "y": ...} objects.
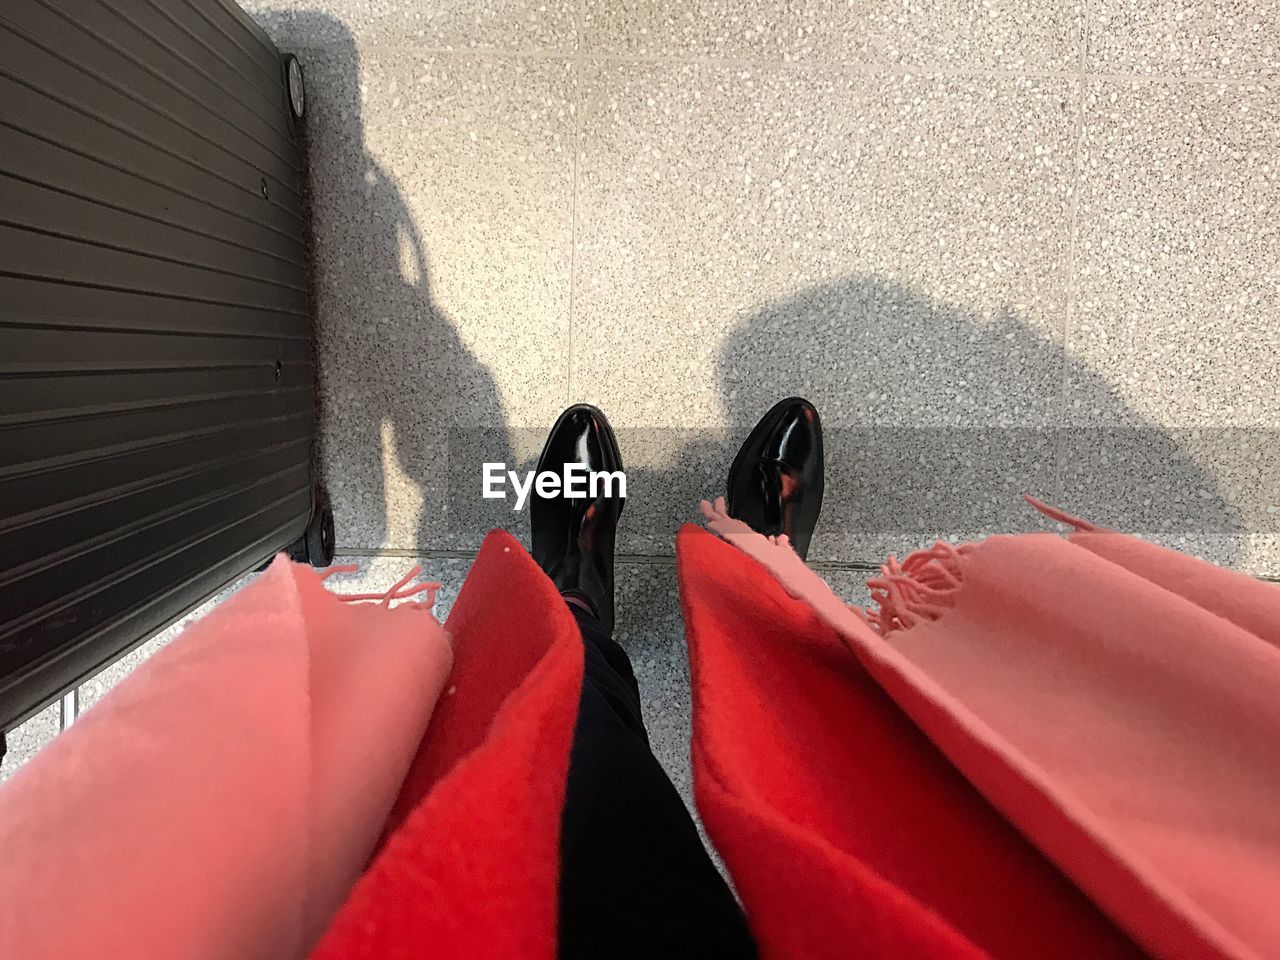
[{"x": 775, "y": 487}]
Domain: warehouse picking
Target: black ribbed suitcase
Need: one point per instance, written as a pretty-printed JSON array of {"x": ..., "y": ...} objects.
[{"x": 157, "y": 402}]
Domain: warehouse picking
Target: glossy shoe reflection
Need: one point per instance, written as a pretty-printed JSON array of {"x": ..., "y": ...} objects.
[
  {"x": 776, "y": 481},
  {"x": 573, "y": 538}
]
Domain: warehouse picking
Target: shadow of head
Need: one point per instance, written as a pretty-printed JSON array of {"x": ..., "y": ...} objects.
[{"x": 937, "y": 420}]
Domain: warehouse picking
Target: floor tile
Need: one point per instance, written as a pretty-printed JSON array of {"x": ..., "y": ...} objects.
[
  {"x": 1188, "y": 38},
  {"x": 1034, "y": 34},
  {"x": 849, "y": 584},
  {"x": 1254, "y": 553},
  {"x": 894, "y": 249},
  {"x": 898, "y": 248},
  {"x": 1205, "y": 483},
  {"x": 894, "y": 490},
  {"x": 506, "y": 25},
  {"x": 442, "y": 218},
  {"x": 1176, "y": 300},
  {"x": 25, "y": 741},
  {"x": 650, "y": 629},
  {"x": 1178, "y": 239}
]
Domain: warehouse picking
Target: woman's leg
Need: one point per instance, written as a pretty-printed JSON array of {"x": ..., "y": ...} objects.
[{"x": 635, "y": 879}]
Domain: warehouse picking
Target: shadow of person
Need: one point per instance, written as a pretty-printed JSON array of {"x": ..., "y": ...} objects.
[
  {"x": 937, "y": 420},
  {"x": 395, "y": 378}
]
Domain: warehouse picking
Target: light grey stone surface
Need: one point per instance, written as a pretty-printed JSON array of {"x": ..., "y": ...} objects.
[
  {"x": 442, "y": 216},
  {"x": 650, "y": 629},
  {"x": 951, "y": 226},
  {"x": 498, "y": 25},
  {"x": 850, "y": 585},
  {"x": 1174, "y": 319},
  {"x": 895, "y": 248},
  {"x": 1186, "y": 38},
  {"x": 1031, "y": 34},
  {"x": 1178, "y": 246},
  {"x": 25, "y": 741}
]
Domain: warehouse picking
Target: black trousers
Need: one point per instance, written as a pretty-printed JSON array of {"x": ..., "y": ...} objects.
[{"x": 635, "y": 879}]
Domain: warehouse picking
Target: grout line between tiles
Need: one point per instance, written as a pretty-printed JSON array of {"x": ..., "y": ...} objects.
[
  {"x": 1173, "y": 78},
  {"x": 573, "y": 201},
  {"x": 1073, "y": 238}
]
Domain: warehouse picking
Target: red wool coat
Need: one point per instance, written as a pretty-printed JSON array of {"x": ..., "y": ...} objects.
[{"x": 846, "y": 832}]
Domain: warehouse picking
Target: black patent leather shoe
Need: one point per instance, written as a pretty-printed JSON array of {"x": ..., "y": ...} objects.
[
  {"x": 775, "y": 483},
  {"x": 573, "y": 538}
]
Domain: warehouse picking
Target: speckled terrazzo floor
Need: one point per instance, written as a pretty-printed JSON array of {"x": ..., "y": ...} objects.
[{"x": 1006, "y": 247}]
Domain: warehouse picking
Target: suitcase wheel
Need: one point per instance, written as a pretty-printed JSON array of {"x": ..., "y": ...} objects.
[
  {"x": 316, "y": 545},
  {"x": 295, "y": 86}
]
